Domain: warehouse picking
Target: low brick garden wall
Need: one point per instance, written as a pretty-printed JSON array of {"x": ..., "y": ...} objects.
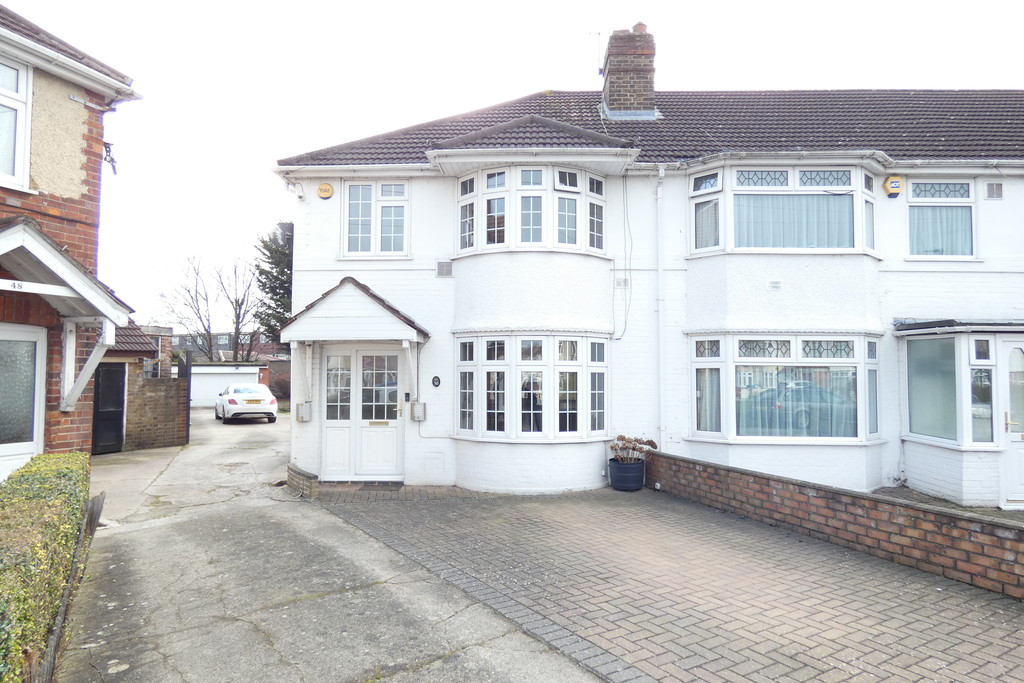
[{"x": 967, "y": 547}]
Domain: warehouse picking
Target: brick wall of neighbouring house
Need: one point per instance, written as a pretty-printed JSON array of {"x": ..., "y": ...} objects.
[
  {"x": 967, "y": 547},
  {"x": 156, "y": 410}
]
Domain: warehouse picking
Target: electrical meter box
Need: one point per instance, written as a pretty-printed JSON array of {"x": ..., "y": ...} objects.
[{"x": 419, "y": 411}]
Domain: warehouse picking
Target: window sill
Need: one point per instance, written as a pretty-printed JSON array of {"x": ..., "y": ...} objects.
[
  {"x": 15, "y": 186},
  {"x": 815, "y": 441},
  {"x": 784, "y": 252},
  {"x": 952, "y": 445},
  {"x": 943, "y": 259},
  {"x": 532, "y": 440},
  {"x": 531, "y": 250},
  {"x": 374, "y": 257}
]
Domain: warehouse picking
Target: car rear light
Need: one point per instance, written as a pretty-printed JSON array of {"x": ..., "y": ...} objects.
[
  {"x": 232, "y": 401},
  {"x": 273, "y": 401}
]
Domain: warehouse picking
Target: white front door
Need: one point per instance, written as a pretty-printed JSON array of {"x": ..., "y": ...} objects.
[
  {"x": 363, "y": 425},
  {"x": 1011, "y": 379},
  {"x": 23, "y": 379}
]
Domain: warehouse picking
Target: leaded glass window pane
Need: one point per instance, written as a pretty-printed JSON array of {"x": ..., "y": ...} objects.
[
  {"x": 762, "y": 178},
  {"x": 17, "y": 400},
  {"x": 872, "y": 350},
  {"x": 705, "y": 182},
  {"x": 869, "y": 183},
  {"x": 941, "y": 191},
  {"x": 981, "y": 349},
  {"x": 823, "y": 348},
  {"x": 707, "y": 348},
  {"x": 825, "y": 178},
  {"x": 764, "y": 348}
]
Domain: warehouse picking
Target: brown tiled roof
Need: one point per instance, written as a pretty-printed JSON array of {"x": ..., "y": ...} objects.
[
  {"x": 26, "y": 29},
  {"x": 905, "y": 124},
  {"x": 130, "y": 339}
]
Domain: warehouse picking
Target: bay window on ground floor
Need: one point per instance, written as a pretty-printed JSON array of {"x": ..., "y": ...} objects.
[
  {"x": 532, "y": 386},
  {"x": 770, "y": 386}
]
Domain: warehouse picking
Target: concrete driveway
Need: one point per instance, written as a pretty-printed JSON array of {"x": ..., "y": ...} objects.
[{"x": 208, "y": 572}]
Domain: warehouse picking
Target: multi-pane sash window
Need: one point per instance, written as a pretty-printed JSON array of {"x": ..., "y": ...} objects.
[
  {"x": 566, "y": 220},
  {"x": 376, "y": 219},
  {"x": 531, "y": 207},
  {"x": 532, "y": 393},
  {"x": 339, "y": 388},
  {"x": 531, "y": 219},
  {"x": 941, "y": 219}
]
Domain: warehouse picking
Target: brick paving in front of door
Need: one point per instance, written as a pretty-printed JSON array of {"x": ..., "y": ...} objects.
[{"x": 645, "y": 586}]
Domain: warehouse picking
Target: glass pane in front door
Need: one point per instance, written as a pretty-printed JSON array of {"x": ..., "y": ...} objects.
[
  {"x": 17, "y": 400},
  {"x": 380, "y": 387},
  {"x": 339, "y": 387},
  {"x": 1015, "y": 423}
]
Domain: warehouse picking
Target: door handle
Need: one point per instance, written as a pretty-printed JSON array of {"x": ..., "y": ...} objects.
[{"x": 1006, "y": 418}]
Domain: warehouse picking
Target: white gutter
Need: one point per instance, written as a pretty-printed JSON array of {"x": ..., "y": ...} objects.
[{"x": 36, "y": 55}]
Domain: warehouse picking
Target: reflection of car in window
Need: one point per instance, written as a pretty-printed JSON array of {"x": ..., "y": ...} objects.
[{"x": 802, "y": 408}]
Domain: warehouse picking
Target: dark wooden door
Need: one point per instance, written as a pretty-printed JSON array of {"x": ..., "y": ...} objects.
[{"x": 108, "y": 409}]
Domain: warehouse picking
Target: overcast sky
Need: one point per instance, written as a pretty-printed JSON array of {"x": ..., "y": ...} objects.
[{"x": 230, "y": 87}]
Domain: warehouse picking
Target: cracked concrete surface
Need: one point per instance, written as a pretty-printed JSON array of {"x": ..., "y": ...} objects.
[{"x": 205, "y": 571}]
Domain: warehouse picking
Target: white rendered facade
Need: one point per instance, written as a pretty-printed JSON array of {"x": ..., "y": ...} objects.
[{"x": 688, "y": 330}]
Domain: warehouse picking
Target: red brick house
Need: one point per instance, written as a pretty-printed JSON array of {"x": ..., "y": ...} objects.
[{"x": 56, "y": 318}]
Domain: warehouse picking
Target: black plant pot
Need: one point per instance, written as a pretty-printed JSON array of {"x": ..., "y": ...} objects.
[{"x": 626, "y": 476}]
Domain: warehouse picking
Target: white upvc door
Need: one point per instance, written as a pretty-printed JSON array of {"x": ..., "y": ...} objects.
[
  {"x": 22, "y": 407},
  {"x": 363, "y": 421},
  {"x": 1010, "y": 422}
]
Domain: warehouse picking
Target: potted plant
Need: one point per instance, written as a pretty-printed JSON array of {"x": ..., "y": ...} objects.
[{"x": 628, "y": 463}]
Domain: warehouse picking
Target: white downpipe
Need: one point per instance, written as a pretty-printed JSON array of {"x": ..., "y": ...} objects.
[{"x": 659, "y": 249}]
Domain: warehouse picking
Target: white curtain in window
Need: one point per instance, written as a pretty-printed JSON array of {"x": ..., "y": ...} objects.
[
  {"x": 706, "y": 224},
  {"x": 940, "y": 230},
  {"x": 709, "y": 400},
  {"x": 817, "y": 221},
  {"x": 806, "y": 401}
]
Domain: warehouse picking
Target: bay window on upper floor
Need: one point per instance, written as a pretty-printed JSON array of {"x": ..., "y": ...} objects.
[
  {"x": 531, "y": 207},
  {"x": 14, "y": 99},
  {"x": 376, "y": 219},
  {"x": 782, "y": 208}
]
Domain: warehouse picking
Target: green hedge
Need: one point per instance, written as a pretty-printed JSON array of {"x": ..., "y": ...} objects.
[{"x": 41, "y": 510}]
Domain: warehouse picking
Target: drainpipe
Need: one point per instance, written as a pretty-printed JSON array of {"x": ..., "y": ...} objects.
[{"x": 660, "y": 250}]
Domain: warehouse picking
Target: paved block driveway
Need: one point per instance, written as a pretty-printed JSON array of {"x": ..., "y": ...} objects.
[{"x": 644, "y": 586}]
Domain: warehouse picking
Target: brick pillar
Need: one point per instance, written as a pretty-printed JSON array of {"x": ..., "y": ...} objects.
[{"x": 629, "y": 72}]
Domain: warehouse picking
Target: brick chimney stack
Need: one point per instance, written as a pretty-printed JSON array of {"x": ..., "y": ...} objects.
[{"x": 629, "y": 75}]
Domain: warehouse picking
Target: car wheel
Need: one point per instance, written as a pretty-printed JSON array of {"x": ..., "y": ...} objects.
[
  {"x": 802, "y": 419},
  {"x": 272, "y": 419}
]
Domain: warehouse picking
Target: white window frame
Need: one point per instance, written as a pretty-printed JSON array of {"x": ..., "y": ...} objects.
[
  {"x": 548, "y": 364},
  {"x": 20, "y": 101},
  {"x": 969, "y": 202},
  {"x": 378, "y": 202},
  {"x": 729, "y": 360}
]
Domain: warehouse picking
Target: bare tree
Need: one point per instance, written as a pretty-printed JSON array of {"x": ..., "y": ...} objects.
[
  {"x": 237, "y": 287},
  {"x": 189, "y": 304}
]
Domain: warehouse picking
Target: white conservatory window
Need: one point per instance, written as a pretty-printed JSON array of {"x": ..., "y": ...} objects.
[
  {"x": 553, "y": 387},
  {"x": 376, "y": 219},
  {"x": 941, "y": 219}
]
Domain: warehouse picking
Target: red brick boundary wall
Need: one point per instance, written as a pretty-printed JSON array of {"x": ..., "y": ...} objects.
[
  {"x": 157, "y": 410},
  {"x": 968, "y": 547}
]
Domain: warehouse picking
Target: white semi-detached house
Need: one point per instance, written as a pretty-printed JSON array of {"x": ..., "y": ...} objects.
[{"x": 824, "y": 285}]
